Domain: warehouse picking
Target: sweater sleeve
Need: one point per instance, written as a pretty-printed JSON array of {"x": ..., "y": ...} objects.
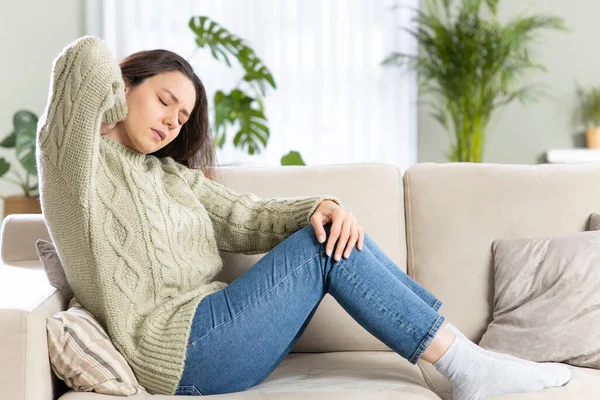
[
  {"x": 86, "y": 89},
  {"x": 245, "y": 223}
]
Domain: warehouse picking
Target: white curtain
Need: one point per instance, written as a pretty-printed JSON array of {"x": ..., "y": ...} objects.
[{"x": 334, "y": 102}]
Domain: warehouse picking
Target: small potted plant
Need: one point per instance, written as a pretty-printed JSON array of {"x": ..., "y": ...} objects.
[
  {"x": 23, "y": 140},
  {"x": 589, "y": 114}
]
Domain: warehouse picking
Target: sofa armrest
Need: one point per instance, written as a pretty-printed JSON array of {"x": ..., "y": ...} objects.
[
  {"x": 26, "y": 300},
  {"x": 19, "y": 234}
]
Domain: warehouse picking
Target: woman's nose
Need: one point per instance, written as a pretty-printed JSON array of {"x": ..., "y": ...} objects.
[{"x": 171, "y": 121}]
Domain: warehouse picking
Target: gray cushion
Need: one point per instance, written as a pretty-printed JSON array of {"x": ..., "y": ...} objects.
[
  {"x": 547, "y": 299},
  {"x": 594, "y": 222},
  {"x": 53, "y": 267}
]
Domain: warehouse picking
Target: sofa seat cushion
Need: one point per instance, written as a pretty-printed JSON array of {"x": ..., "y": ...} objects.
[
  {"x": 585, "y": 384},
  {"x": 349, "y": 375}
]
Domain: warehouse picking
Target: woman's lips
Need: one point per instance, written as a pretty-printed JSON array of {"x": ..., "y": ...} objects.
[{"x": 157, "y": 135}]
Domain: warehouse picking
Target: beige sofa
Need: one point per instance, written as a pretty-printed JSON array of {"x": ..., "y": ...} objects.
[{"x": 437, "y": 221}]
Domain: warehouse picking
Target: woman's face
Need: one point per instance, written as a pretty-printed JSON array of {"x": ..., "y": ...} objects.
[{"x": 164, "y": 103}]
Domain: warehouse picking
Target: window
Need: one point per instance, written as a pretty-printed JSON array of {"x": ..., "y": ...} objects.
[{"x": 334, "y": 103}]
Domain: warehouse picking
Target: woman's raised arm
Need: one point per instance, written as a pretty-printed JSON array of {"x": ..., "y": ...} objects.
[{"x": 86, "y": 89}]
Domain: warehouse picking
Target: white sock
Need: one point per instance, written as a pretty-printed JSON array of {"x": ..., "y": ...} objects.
[
  {"x": 476, "y": 376},
  {"x": 500, "y": 356}
]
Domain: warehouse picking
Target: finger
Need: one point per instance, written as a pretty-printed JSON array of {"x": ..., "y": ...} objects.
[
  {"x": 343, "y": 240},
  {"x": 319, "y": 230},
  {"x": 352, "y": 240},
  {"x": 334, "y": 233},
  {"x": 361, "y": 238}
]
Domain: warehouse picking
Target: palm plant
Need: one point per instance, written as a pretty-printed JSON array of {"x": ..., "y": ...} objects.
[{"x": 472, "y": 65}]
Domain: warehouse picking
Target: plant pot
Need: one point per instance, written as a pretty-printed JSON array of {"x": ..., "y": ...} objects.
[
  {"x": 22, "y": 205},
  {"x": 593, "y": 138}
]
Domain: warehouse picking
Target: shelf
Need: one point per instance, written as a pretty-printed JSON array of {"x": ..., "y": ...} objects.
[{"x": 572, "y": 156}]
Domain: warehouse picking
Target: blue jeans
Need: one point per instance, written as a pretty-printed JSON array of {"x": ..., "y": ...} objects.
[{"x": 240, "y": 334}]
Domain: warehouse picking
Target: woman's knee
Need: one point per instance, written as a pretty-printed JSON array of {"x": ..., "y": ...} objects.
[
  {"x": 310, "y": 235},
  {"x": 307, "y": 238}
]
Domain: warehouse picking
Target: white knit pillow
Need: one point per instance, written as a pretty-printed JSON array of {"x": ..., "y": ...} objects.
[{"x": 83, "y": 356}]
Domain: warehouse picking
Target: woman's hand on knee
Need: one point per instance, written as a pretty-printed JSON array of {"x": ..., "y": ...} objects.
[{"x": 345, "y": 229}]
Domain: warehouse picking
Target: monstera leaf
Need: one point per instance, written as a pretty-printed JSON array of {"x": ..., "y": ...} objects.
[
  {"x": 23, "y": 140},
  {"x": 25, "y": 149},
  {"x": 222, "y": 43},
  {"x": 255, "y": 70},
  {"x": 239, "y": 109},
  {"x": 4, "y": 166},
  {"x": 22, "y": 120}
]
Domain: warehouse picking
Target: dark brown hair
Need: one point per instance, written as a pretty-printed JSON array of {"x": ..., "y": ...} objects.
[{"x": 193, "y": 147}]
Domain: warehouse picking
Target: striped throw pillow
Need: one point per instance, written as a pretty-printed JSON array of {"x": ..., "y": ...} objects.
[{"x": 83, "y": 356}]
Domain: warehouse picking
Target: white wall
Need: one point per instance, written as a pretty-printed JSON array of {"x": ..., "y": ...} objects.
[
  {"x": 522, "y": 135},
  {"x": 32, "y": 33}
]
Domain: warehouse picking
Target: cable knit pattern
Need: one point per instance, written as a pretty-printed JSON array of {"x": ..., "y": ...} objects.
[{"x": 139, "y": 237}]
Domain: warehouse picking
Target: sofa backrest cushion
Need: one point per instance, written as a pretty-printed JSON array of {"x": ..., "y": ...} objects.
[
  {"x": 372, "y": 192},
  {"x": 455, "y": 211}
]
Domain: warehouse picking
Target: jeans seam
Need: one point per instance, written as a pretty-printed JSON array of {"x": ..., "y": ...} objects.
[
  {"x": 188, "y": 386},
  {"x": 378, "y": 301},
  {"x": 417, "y": 354},
  {"x": 257, "y": 300}
]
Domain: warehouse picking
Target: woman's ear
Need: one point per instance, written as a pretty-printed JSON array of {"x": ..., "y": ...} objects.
[{"x": 127, "y": 85}]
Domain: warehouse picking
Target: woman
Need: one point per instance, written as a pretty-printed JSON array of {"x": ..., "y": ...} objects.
[{"x": 124, "y": 156}]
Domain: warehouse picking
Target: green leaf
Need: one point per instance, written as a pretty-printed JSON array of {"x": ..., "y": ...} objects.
[
  {"x": 252, "y": 132},
  {"x": 589, "y": 106},
  {"x": 222, "y": 43},
  {"x": 25, "y": 149},
  {"x": 292, "y": 158},
  {"x": 9, "y": 141},
  {"x": 22, "y": 119},
  {"x": 237, "y": 109},
  {"x": 441, "y": 116},
  {"x": 4, "y": 166}
]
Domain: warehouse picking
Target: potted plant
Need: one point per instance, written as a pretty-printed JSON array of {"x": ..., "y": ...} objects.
[
  {"x": 589, "y": 113},
  {"x": 22, "y": 139},
  {"x": 472, "y": 65},
  {"x": 243, "y": 107}
]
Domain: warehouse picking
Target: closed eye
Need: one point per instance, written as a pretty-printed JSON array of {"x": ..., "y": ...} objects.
[{"x": 165, "y": 104}]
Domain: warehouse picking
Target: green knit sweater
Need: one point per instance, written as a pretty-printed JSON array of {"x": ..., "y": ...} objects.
[{"x": 139, "y": 236}]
